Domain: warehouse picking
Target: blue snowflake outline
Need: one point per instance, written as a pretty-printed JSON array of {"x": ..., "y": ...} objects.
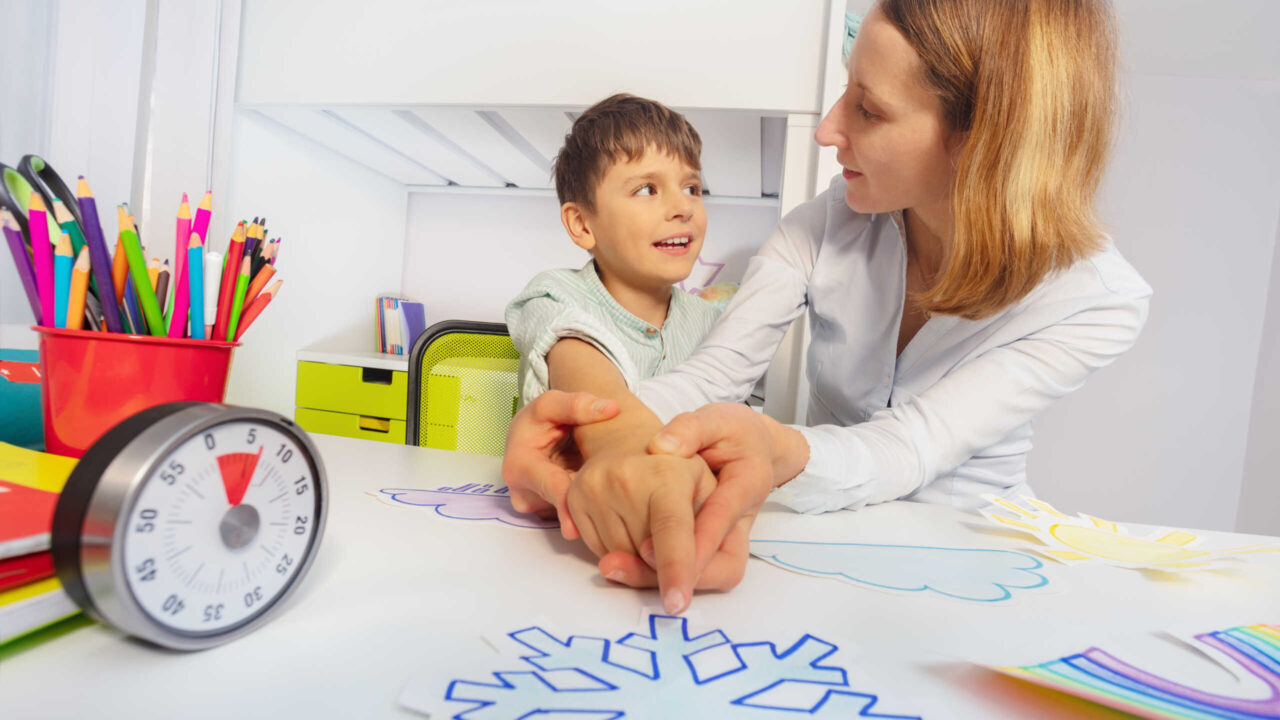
[{"x": 835, "y": 690}]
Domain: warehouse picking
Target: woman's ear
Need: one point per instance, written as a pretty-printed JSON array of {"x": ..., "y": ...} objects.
[{"x": 575, "y": 223}]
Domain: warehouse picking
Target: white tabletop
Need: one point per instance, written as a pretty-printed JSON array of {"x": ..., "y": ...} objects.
[{"x": 396, "y": 590}]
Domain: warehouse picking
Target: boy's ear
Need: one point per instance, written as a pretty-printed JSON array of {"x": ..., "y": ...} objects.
[{"x": 575, "y": 223}]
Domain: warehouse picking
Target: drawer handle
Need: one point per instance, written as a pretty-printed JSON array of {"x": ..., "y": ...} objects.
[
  {"x": 375, "y": 376},
  {"x": 375, "y": 424}
]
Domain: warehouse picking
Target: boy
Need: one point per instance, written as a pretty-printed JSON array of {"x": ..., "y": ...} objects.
[
  {"x": 628, "y": 180},
  {"x": 630, "y": 194}
]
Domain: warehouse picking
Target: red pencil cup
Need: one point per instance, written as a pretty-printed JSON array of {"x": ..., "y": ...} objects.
[{"x": 93, "y": 380}]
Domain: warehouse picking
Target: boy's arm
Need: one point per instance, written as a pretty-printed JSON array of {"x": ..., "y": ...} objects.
[{"x": 575, "y": 365}]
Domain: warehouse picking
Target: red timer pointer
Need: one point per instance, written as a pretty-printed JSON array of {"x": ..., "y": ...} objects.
[{"x": 237, "y": 470}]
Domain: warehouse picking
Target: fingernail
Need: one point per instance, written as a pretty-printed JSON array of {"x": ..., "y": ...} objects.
[
  {"x": 674, "y": 601},
  {"x": 666, "y": 443},
  {"x": 646, "y": 551},
  {"x": 600, "y": 406},
  {"x": 616, "y": 576}
]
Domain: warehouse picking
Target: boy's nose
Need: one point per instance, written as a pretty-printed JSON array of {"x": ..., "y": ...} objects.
[{"x": 682, "y": 207}]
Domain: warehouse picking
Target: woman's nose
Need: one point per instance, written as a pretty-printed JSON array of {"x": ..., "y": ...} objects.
[{"x": 831, "y": 131}]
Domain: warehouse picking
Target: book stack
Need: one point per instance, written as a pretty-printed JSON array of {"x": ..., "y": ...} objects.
[
  {"x": 400, "y": 322},
  {"x": 30, "y": 595}
]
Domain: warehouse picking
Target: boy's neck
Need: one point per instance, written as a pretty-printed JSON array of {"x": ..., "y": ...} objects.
[{"x": 648, "y": 304}]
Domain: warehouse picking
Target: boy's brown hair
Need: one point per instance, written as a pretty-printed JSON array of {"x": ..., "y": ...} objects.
[{"x": 621, "y": 126}]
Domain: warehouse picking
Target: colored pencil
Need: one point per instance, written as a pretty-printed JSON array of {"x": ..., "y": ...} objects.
[
  {"x": 42, "y": 258},
  {"x": 162, "y": 291},
  {"x": 119, "y": 269},
  {"x": 62, "y": 215},
  {"x": 79, "y": 290},
  {"x": 237, "y": 298},
  {"x": 137, "y": 324},
  {"x": 204, "y": 211},
  {"x": 153, "y": 273},
  {"x": 181, "y": 236},
  {"x": 21, "y": 260},
  {"x": 193, "y": 275},
  {"x": 62, "y": 262},
  {"x": 98, "y": 257},
  {"x": 255, "y": 308},
  {"x": 260, "y": 280},
  {"x": 146, "y": 296},
  {"x": 227, "y": 286},
  {"x": 212, "y": 274}
]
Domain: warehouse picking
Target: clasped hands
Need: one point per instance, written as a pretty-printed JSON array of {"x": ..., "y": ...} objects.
[{"x": 677, "y": 516}]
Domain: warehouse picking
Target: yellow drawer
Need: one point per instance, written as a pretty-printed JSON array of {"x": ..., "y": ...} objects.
[
  {"x": 352, "y": 389},
  {"x": 348, "y": 425}
]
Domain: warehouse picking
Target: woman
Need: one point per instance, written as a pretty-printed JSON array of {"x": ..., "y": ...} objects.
[{"x": 956, "y": 279}]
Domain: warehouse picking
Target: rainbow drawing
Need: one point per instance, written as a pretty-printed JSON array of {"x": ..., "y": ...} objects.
[{"x": 1098, "y": 676}]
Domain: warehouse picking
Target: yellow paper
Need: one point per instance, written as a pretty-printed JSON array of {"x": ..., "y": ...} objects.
[
  {"x": 42, "y": 471},
  {"x": 1086, "y": 538}
]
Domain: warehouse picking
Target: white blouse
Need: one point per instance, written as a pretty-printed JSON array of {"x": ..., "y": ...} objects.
[{"x": 949, "y": 419}]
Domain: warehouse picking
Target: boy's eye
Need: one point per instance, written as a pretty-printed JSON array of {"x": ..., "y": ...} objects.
[
  {"x": 694, "y": 190},
  {"x": 644, "y": 190}
]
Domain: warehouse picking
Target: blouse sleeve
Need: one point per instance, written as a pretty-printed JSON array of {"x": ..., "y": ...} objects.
[
  {"x": 903, "y": 447},
  {"x": 737, "y": 351}
]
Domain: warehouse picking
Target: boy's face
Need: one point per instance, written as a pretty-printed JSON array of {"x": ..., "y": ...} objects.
[{"x": 648, "y": 223}]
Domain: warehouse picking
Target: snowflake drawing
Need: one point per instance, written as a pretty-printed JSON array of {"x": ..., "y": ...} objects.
[
  {"x": 472, "y": 501},
  {"x": 665, "y": 673}
]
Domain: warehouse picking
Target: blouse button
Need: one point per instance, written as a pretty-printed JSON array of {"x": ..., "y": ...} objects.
[{"x": 650, "y": 331}]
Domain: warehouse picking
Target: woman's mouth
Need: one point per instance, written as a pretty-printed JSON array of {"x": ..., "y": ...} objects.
[{"x": 850, "y": 174}]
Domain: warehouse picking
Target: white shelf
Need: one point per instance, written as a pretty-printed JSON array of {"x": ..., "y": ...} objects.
[
  {"x": 484, "y": 149},
  {"x": 331, "y": 356}
]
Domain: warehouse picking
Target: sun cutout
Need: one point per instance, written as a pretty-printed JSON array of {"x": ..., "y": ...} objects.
[{"x": 1086, "y": 538}]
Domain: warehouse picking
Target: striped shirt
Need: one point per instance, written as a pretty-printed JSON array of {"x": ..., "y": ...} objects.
[{"x": 575, "y": 304}]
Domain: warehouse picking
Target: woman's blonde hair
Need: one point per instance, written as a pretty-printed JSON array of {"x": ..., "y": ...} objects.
[{"x": 1032, "y": 82}]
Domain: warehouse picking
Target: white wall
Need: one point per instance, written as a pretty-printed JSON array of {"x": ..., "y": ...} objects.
[
  {"x": 1191, "y": 197},
  {"x": 466, "y": 254},
  {"x": 74, "y": 103},
  {"x": 343, "y": 239},
  {"x": 1260, "y": 496}
]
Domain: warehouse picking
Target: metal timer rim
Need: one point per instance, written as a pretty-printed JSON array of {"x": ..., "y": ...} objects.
[{"x": 90, "y": 520}]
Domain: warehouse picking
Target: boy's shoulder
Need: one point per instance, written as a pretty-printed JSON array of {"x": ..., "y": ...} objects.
[{"x": 565, "y": 284}]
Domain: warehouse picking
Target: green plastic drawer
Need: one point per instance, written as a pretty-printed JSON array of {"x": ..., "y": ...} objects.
[
  {"x": 352, "y": 389},
  {"x": 353, "y": 426}
]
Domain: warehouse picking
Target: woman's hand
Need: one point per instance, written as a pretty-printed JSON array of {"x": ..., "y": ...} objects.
[
  {"x": 750, "y": 454},
  {"x": 540, "y": 454}
]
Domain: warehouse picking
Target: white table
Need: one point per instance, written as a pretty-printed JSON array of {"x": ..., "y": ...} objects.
[{"x": 395, "y": 590}]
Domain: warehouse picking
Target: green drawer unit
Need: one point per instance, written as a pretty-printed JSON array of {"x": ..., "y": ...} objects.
[
  {"x": 470, "y": 402},
  {"x": 373, "y": 392},
  {"x": 348, "y": 425}
]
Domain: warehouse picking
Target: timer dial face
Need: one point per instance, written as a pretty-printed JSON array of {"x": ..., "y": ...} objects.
[{"x": 221, "y": 527}]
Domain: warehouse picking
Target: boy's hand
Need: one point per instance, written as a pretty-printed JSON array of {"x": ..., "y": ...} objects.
[
  {"x": 750, "y": 453},
  {"x": 618, "y": 500},
  {"x": 723, "y": 572},
  {"x": 540, "y": 452}
]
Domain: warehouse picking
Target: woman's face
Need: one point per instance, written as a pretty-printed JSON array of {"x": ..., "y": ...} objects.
[{"x": 887, "y": 127}]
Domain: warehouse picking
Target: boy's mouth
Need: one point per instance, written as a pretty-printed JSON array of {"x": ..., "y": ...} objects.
[{"x": 678, "y": 245}]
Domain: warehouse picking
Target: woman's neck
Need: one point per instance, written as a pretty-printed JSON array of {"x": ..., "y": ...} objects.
[{"x": 928, "y": 238}]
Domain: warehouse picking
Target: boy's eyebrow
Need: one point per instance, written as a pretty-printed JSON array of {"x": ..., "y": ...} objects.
[{"x": 654, "y": 176}]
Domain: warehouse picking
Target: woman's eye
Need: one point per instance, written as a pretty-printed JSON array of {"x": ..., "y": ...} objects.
[
  {"x": 644, "y": 190},
  {"x": 862, "y": 110}
]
